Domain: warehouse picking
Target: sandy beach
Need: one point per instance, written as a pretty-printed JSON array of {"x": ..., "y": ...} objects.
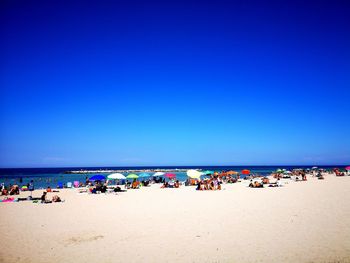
[{"x": 300, "y": 222}]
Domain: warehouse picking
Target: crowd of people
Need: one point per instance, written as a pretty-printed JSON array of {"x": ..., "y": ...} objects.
[{"x": 209, "y": 182}]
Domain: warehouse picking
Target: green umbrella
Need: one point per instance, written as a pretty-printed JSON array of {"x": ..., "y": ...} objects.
[
  {"x": 132, "y": 176},
  {"x": 207, "y": 172}
]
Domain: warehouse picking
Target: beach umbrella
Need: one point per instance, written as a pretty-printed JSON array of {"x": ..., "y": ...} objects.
[
  {"x": 24, "y": 188},
  {"x": 315, "y": 167},
  {"x": 170, "y": 175},
  {"x": 97, "y": 177},
  {"x": 144, "y": 175},
  {"x": 132, "y": 176},
  {"x": 245, "y": 171},
  {"x": 158, "y": 174},
  {"x": 347, "y": 168},
  {"x": 118, "y": 176},
  {"x": 231, "y": 172},
  {"x": 194, "y": 174},
  {"x": 207, "y": 172}
]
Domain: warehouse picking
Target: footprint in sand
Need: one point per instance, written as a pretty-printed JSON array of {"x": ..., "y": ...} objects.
[{"x": 78, "y": 240}]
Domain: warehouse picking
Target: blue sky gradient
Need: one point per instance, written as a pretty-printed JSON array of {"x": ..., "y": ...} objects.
[{"x": 108, "y": 83}]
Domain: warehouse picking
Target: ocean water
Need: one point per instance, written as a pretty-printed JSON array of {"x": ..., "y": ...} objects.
[{"x": 44, "y": 177}]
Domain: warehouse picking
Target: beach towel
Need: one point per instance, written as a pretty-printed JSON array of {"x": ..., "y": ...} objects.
[{"x": 8, "y": 200}]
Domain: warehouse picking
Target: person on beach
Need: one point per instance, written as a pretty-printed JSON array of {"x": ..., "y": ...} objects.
[
  {"x": 56, "y": 199},
  {"x": 14, "y": 190},
  {"x": 4, "y": 191},
  {"x": 135, "y": 184},
  {"x": 44, "y": 200},
  {"x": 87, "y": 181},
  {"x": 171, "y": 183}
]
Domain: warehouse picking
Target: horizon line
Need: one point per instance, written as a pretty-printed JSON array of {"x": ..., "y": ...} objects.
[{"x": 174, "y": 166}]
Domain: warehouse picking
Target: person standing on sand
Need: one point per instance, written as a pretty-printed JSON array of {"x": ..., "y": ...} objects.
[{"x": 31, "y": 187}]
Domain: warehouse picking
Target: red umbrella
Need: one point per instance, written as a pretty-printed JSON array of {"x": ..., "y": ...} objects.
[
  {"x": 170, "y": 175},
  {"x": 245, "y": 171}
]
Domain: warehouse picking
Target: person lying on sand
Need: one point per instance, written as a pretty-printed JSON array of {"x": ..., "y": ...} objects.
[
  {"x": 118, "y": 189},
  {"x": 255, "y": 184},
  {"x": 278, "y": 183}
]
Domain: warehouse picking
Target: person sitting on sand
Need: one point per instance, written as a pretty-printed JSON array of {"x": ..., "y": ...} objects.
[
  {"x": 303, "y": 177},
  {"x": 211, "y": 185},
  {"x": 219, "y": 185},
  {"x": 204, "y": 185},
  {"x": 4, "y": 191},
  {"x": 258, "y": 184},
  {"x": 265, "y": 180},
  {"x": 198, "y": 186},
  {"x": 279, "y": 183},
  {"x": 177, "y": 184},
  {"x": 104, "y": 188},
  {"x": 56, "y": 199},
  {"x": 44, "y": 200},
  {"x": 48, "y": 189},
  {"x": 171, "y": 183},
  {"x": 135, "y": 184},
  {"x": 165, "y": 185},
  {"x": 14, "y": 190}
]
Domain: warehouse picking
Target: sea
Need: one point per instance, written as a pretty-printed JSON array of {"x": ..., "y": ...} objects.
[{"x": 44, "y": 177}]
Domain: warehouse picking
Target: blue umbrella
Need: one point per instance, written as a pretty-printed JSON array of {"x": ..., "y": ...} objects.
[
  {"x": 97, "y": 177},
  {"x": 144, "y": 175}
]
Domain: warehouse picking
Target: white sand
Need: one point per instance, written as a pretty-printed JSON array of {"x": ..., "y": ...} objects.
[{"x": 301, "y": 222}]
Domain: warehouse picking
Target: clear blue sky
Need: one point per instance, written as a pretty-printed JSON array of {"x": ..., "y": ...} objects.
[{"x": 108, "y": 83}]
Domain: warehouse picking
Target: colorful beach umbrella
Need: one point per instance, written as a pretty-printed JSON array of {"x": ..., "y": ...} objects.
[
  {"x": 231, "y": 172},
  {"x": 118, "y": 176},
  {"x": 158, "y": 174},
  {"x": 194, "y": 174},
  {"x": 207, "y": 172},
  {"x": 143, "y": 175},
  {"x": 347, "y": 168},
  {"x": 170, "y": 175},
  {"x": 245, "y": 171},
  {"x": 97, "y": 177},
  {"x": 132, "y": 176}
]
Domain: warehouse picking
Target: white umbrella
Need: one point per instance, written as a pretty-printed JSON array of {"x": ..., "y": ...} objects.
[
  {"x": 116, "y": 176},
  {"x": 158, "y": 174},
  {"x": 194, "y": 174}
]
